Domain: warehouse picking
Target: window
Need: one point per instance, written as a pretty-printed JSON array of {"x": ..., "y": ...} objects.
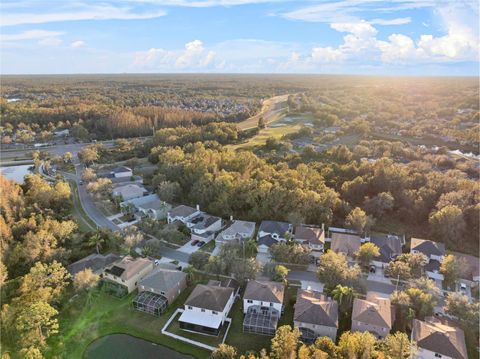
[
  {"x": 203, "y": 310},
  {"x": 214, "y": 312},
  {"x": 438, "y": 355},
  {"x": 189, "y": 307},
  {"x": 162, "y": 292},
  {"x": 249, "y": 301},
  {"x": 271, "y": 304}
]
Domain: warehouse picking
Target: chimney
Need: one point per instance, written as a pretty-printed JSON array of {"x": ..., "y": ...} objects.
[
  {"x": 231, "y": 218},
  {"x": 323, "y": 227},
  {"x": 198, "y": 207}
]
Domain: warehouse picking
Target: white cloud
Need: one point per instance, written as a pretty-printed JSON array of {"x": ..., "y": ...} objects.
[
  {"x": 50, "y": 41},
  {"x": 194, "y": 55},
  {"x": 396, "y": 21},
  {"x": 77, "y": 44},
  {"x": 83, "y": 12},
  {"x": 30, "y": 35}
]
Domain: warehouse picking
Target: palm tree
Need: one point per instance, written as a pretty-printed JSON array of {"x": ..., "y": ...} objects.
[
  {"x": 97, "y": 240},
  {"x": 190, "y": 272},
  {"x": 344, "y": 296}
]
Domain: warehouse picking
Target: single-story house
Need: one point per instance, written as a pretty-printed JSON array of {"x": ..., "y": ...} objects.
[
  {"x": 434, "y": 251},
  {"x": 96, "y": 262},
  {"x": 238, "y": 230},
  {"x": 129, "y": 191},
  {"x": 313, "y": 237},
  {"x": 315, "y": 315},
  {"x": 374, "y": 315},
  {"x": 159, "y": 289},
  {"x": 271, "y": 232},
  {"x": 126, "y": 273},
  {"x": 438, "y": 338},
  {"x": 262, "y": 306},
  {"x": 121, "y": 171},
  {"x": 346, "y": 243},
  {"x": 182, "y": 214},
  {"x": 207, "y": 308},
  {"x": 147, "y": 206}
]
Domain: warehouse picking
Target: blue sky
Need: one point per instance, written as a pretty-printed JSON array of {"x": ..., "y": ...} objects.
[{"x": 399, "y": 37}]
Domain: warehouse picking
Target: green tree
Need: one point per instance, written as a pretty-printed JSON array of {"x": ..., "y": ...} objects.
[
  {"x": 367, "y": 252},
  {"x": 285, "y": 342},
  {"x": 280, "y": 273},
  {"x": 398, "y": 270},
  {"x": 224, "y": 351},
  {"x": 358, "y": 220},
  {"x": 326, "y": 345},
  {"x": 85, "y": 280},
  {"x": 448, "y": 224},
  {"x": 344, "y": 296},
  {"x": 357, "y": 345},
  {"x": 199, "y": 260},
  {"x": 89, "y": 155},
  {"x": 334, "y": 269},
  {"x": 89, "y": 175},
  {"x": 67, "y": 157},
  {"x": 452, "y": 268},
  {"x": 397, "y": 346}
]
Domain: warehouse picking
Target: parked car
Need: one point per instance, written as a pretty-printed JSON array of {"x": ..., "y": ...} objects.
[
  {"x": 80, "y": 183},
  {"x": 200, "y": 244},
  {"x": 194, "y": 242}
]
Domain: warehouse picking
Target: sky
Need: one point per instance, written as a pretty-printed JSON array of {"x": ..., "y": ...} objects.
[{"x": 369, "y": 37}]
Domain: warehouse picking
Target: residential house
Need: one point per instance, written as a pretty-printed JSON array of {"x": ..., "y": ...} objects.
[
  {"x": 207, "y": 308},
  {"x": 315, "y": 315},
  {"x": 126, "y": 273},
  {"x": 438, "y": 338},
  {"x": 434, "y": 251},
  {"x": 146, "y": 207},
  {"x": 166, "y": 282},
  {"x": 313, "y": 237},
  {"x": 271, "y": 232},
  {"x": 238, "y": 230},
  {"x": 346, "y": 243},
  {"x": 374, "y": 315},
  {"x": 182, "y": 214},
  {"x": 121, "y": 171},
  {"x": 96, "y": 262},
  {"x": 390, "y": 247},
  {"x": 470, "y": 276},
  {"x": 262, "y": 306},
  {"x": 129, "y": 191},
  {"x": 62, "y": 133},
  {"x": 204, "y": 226}
]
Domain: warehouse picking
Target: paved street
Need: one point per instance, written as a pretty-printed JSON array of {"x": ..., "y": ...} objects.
[{"x": 302, "y": 276}]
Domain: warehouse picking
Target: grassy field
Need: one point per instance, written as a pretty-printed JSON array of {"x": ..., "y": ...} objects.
[
  {"x": 271, "y": 111},
  {"x": 90, "y": 316},
  {"x": 85, "y": 224}
]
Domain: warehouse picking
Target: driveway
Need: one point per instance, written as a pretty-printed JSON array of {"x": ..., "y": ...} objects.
[
  {"x": 383, "y": 289},
  {"x": 188, "y": 248},
  {"x": 302, "y": 276}
]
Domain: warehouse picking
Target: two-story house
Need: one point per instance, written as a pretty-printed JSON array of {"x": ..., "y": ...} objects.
[
  {"x": 315, "y": 315},
  {"x": 374, "y": 315},
  {"x": 390, "y": 247},
  {"x": 182, "y": 214},
  {"x": 207, "y": 308},
  {"x": 127, "y": 272},
  {"x": 238, "y": 230},
  {"x": 121, "y": 171},
  {"x": 95, "y": 262},
  {"x": 272, "y": 232},
  {"x": 346, "y": 243},
  {"x": 437, "y": 338},
  {"x": 311, "y": 236},
  {"x": 204, "y": 226},
  {"x": 435, "y": 252},
  {"x": 262, "y": 306}
]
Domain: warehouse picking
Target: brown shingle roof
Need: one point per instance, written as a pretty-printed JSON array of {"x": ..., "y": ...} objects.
[
  {"x": 131, "y": 266},
  {"x": 439, "y": 337},
  {"x": 265, "y": 291},
  {"x": 210, "y": 297},
  {"x": 345, "y": 243},
  {"x": 374, "y": 311},
  {"x": 427, "y": 247},
  {"x": 313, "y": 235},
  {"x": 315, "y": 308}
]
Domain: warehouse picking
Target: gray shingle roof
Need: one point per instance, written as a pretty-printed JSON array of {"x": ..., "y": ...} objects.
[
  {"x": 267, "y": 240},
  {"x": 209, "y": 297},
  {"x": 315, "y": 308},
  {"x": 182, "y": 211},
  {"x": 275, "y": 227},
  {"x": 121, "y": 169},
  {"x": 390, "y": 246},
  {"x": 313, "y": 235},
  {"x": 265, "y": 291},
  {"x": 94, "y": 261},
  {"x": 374, "y": 311},
  {"x": 439, "y": 337},
  {"x": 207, "y": 221},
  {"x": 427, "y": 247},
  {"x": 163, "y": 279}
]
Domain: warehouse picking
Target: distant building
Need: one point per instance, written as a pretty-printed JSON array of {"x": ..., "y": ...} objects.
[
  {"x": 62, "y": 133},
  {"x": 437, "y": 338},
  {"x": 129, "y": 191},
  {"x": 121, "y": 171},
  {"x": 147, "y": 207},
  {"x": 316, "y": 315}
]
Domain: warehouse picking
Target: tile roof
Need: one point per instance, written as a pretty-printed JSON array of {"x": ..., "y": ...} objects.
[
  {"x": 265, "y": 291},
  {"x": 439, "y": 337},
  {"x": 209, "y": 297},
  {"x": 315, "y": 308},
  {"x": 427, "y": 247},
  {"x": 345, "y": 243},
  {"x": 374, "y": 310}
]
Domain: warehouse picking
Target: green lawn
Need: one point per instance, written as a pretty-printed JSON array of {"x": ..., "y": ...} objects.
[
  {"x": 91, "y": 316},
  {"x": 209, "y": 247},
  {"x": 85, "y": 224}
]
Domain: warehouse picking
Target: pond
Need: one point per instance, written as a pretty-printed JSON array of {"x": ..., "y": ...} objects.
[
  {"x": 15, "y": 173},
  {"x": 123, "y": 346}
]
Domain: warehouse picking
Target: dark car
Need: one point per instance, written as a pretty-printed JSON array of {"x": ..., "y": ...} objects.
[
  {"x": 200, "y": 244},
  {"x": 194, "y": 242},
  {"x": 80, "y": 183}
]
